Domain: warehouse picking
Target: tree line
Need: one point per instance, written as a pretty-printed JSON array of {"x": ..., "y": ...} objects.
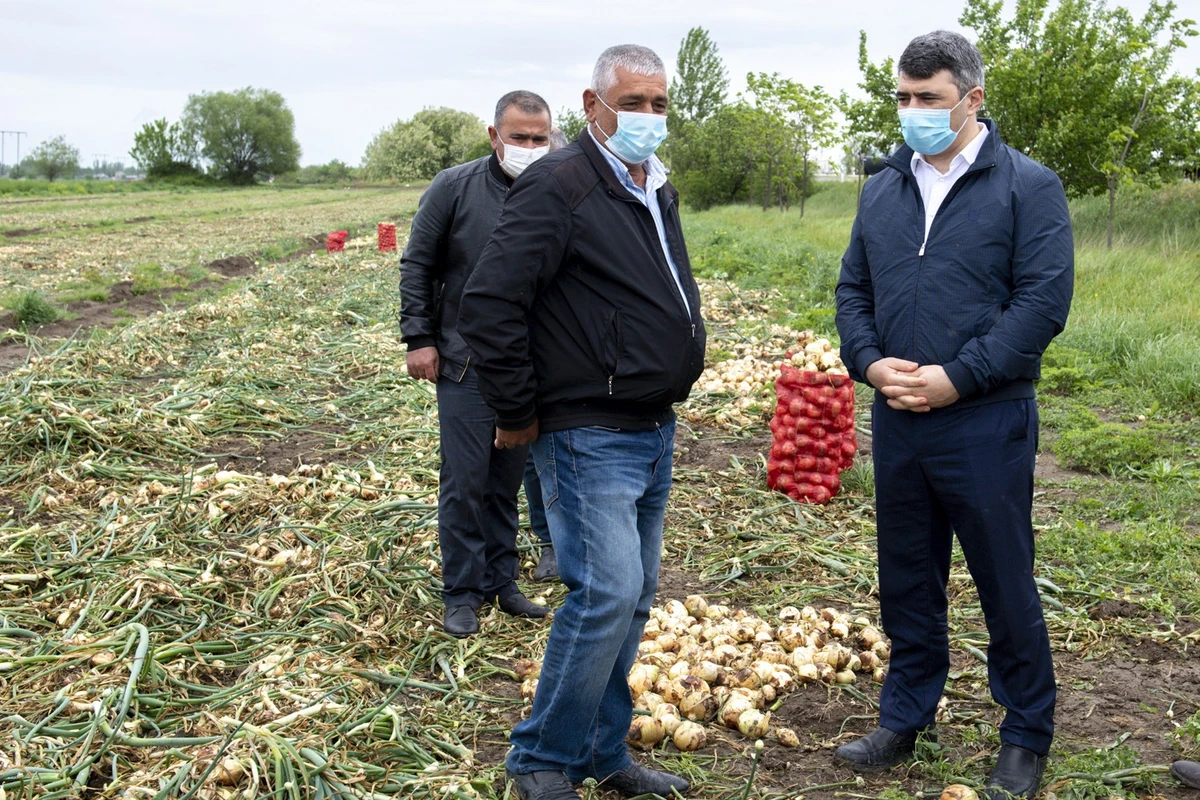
[{"x": 1086, "y": 89}]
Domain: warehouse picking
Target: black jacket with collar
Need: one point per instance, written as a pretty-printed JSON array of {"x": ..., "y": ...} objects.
[
  {"x": 572, "y": 314},
  {"x": 453, "y": 222}
]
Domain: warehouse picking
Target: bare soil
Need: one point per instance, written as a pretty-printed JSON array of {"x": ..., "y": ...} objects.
[{"x": 314, "y": 445}]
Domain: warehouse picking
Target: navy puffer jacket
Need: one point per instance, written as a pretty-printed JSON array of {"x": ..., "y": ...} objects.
[{"x": 985, "y": 294}]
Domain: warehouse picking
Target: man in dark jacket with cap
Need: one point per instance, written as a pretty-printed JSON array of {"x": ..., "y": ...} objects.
[{"x": 958, "y": 274}]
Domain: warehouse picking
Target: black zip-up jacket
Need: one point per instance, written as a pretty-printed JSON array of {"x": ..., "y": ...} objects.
[
  {"x": 983, "y": 296},
  {"x": 456, "y": 216},
  {"x": 572, "y": 313}
]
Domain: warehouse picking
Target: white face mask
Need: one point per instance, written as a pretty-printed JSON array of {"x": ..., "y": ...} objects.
[{"x": 517, "y": 159}]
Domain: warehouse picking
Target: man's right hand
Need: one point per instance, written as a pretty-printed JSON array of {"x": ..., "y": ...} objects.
[
  {"x": 423, "y": 363},
  {"x": 898, "y": 381}
]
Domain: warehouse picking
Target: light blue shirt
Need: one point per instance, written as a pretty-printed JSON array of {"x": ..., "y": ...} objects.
[{"x": 656, "y": 177}]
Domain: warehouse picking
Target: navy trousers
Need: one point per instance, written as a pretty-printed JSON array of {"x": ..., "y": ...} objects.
[
  {"x": 477, "y": 497},
  {"x": 965, "y": 472}
]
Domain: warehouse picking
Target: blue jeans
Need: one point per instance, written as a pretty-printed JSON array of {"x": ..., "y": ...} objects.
[
  {"x": 533, "y": 499},
  {"x": 605, "y": 493}
]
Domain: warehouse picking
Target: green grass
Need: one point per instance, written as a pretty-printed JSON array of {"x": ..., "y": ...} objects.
[
  {"x": 31, "y": 308},
  {"x": 1135, "y": 316}
]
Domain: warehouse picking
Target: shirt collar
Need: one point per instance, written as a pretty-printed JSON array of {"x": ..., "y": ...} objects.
[
  {"x": 967, "y": 156},
  {"x": 656, "y": 170}
]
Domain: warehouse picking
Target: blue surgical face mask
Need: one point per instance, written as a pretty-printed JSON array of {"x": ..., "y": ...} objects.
[
  {"x": 638, "y": 135},
  {"x": 927, "y": 130}
]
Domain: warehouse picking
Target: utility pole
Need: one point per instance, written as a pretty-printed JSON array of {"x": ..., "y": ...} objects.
[
  {"x": 102, "y": 162},
  {"x": 18, "y": 134}
]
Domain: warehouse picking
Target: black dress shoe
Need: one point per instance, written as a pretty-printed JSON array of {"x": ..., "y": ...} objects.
[
  {"x": 1017, "y": 774},
  {"x": 547, "y": 566},
  {"x": 635, "y": 780},
  {"x": 1187, "y": 773},
  {"x": 879, "y": 749},
  {"x": 460, "y": 621},
  {"x": 542, "y": 786},
  {"x": 518, "y": 605}
]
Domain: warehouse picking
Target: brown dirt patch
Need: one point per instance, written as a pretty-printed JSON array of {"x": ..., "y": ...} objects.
[
  {"x": 315, "y": 445},
  {"x": 709, "y": 449},
  {"x": 235, "y": 267},
  {"x": 19, "y": 232},
  {"x": 136, "y": 220}
]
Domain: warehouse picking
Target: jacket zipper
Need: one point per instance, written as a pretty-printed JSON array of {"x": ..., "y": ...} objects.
[{"x": 465, "y": 367}]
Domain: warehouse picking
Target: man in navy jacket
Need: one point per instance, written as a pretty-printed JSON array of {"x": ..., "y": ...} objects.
[{"x": 958, "y": 275}]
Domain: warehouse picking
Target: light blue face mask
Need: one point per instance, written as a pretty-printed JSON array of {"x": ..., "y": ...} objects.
[
  {"x": 638, "y": 135},
  {"x": 927, "y": 130}
]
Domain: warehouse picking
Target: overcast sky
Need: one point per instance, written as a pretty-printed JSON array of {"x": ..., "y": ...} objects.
[{"x": 95, "y": 70}]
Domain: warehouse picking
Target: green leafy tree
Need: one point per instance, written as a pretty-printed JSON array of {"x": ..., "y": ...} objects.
[
  {"x": 457, "y": 135},
  {"x": 163, "y": 150},
  {"x": 697, "y": 93},
  {"x": 701, "y": 81},
  {"x": 571, "y": 122},
  {"x": 404, "y": 152},
  {"x": 722, "y": 156},
  {"x": 794, "y": 121},
  {"x": 245, "y": 135},
  {"x": 1086, "y": 89},
  {"x": 872, "y": 124},
  {"x": 417, "y": 149},
  {"x": 54, "y": 158}
]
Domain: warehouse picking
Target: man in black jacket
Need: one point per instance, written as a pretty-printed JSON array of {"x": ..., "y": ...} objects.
[
  {"x": 477, "y": 498},
  {"x": 958, "y": 275},
  {"x": 585, "y": 322}
]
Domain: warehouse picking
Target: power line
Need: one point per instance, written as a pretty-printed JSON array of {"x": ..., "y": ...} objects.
[{"x": 18, "y": 134}]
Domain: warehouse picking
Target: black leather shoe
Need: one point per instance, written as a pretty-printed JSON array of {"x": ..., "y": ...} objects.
[
  {"x": 547, "y": 566},
  {"x": 1187, "y": 773},
  {"x": 1017, "y": 774},
  {"x": 518, "y": 605},
  {"x": 635, "y": 780},
  {"x": 461, "y": 621},
  {"x": 542, "y": 786},
  {"x": 879, "y": 749}
]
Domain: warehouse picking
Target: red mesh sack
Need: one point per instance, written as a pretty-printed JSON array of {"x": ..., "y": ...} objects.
[
  {"x": 812, "y": 434},
  {"x": 336, "y": 241},
  {"x": 387, "y": 236}
]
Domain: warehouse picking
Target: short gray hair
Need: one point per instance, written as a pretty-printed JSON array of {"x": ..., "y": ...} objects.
[
  {"x": 927, "y": 55},
  {"x": 558, "y": 139},
  {"x": 632, "y": 57},
  {"x": 528, "y": 102}
]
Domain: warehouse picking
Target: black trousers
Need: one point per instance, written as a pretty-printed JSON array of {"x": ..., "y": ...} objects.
[
  {"x": 477, "y": 500},
  {"x": 965, "y": 472}
]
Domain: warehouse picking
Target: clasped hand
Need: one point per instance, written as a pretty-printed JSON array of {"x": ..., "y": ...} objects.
[{"x": 908, "y": 386}]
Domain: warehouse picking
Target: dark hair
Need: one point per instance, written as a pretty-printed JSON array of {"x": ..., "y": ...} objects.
[
  {"x": 528, "y": 102},
  {"x": 927, "y": 55}
]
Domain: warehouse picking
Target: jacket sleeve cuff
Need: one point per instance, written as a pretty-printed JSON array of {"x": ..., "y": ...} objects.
[
  {"x": 962, "y": 378},
  {"x": 519, "y": 419},
  {"x": 863, "y": 359},
  {"x": 417, "y": 342}
]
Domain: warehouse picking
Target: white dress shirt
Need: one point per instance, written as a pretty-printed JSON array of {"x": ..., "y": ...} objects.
[{"x": 935, "y": 185}]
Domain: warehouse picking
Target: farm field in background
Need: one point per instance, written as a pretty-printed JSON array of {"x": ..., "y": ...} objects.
[{"x": 218, "y": 550}]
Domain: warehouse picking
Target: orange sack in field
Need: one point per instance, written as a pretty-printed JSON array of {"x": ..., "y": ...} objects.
[{"x": 812, "y": 433}]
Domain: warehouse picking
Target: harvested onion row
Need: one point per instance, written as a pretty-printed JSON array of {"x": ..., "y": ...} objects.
[{"x": 707, "y": 663}]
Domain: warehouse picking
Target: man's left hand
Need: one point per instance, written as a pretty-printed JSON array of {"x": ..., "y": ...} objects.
[
  {"x": 508, "y": 440},
  {"x": 938, "y": 390}
]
